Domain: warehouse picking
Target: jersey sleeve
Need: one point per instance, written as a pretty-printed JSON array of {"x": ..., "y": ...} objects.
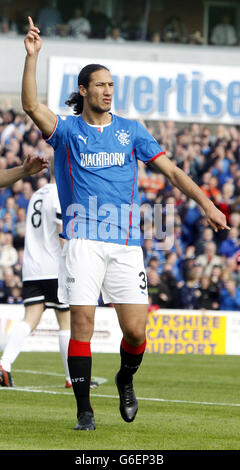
[
  {"x": 58, "y": 218},
  {"x": 58, "y": 134},
  {"x": 147, "y": 148}
]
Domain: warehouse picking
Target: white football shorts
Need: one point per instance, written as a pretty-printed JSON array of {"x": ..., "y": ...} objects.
[{"x": 89, "y": 267}]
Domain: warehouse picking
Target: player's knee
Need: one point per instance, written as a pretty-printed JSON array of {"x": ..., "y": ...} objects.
[
  {"x": 82, "y": 323},
  {"x": 135, "y": 336}
]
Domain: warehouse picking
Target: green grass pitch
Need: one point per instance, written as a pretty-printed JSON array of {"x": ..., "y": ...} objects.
[{"x": 185, "y": 403}]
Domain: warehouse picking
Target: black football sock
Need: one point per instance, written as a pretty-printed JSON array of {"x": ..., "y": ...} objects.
[
  {"x": 131, "y": 358},
  {"x": 80, "y": 366}
]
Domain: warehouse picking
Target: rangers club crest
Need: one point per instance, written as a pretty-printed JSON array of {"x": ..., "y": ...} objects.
[{"x": 123, "y": 137}]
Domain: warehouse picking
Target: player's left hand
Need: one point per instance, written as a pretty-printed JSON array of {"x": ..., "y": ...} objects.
[
  {"x": 216, "y": 219},
  {"x": 33, "y": 164}
]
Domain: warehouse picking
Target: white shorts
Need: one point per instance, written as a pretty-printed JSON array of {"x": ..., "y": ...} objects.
[{"x": 89, "y": 267}]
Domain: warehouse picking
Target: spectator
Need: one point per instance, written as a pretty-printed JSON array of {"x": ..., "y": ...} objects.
[
  {"x": 11, "y": 207},
  {"x": 11, "y": 159},
  {"x": 221, "y": 165},
  {"x": 79, "y": 27},
  {"x": 23, "y": 198},
  {"x": 206, "y": 236},
  {"x": 152, "y": 185},
  {"x": 179, "y": 244},
  {"x": 9, "y": 127},
  {"x": 149, "y": 250},
  {"x": 7, "y": 28},
  {"x": 115, "y": 36},
  {"x": 99, "y": 22},
  {"x": 208, "y": 294},
  {"x": 17, "y": 189},
  {"x": 155, "y": 37},
  {"x": 209, "y": 258},
  {"x": 10, "y": 281},
  {"x": 158, "y": 291},
  {"x": 230, "y": 296},
  {"x": 189, "y": 292},
  {"x": 21, "y": 221},
  {"x": 210, "y": 187},
  {"x": 175, "y": 31},
  {"x": 216, "y": 276},
  {"x": 191, "y": 217},
  {"x": 153, "y": 286},
  {"x": 196, "y": 38},
  {"x": 234, "y": 220},
  {"x": 49, "y": 18},
  {"x": 187, "y": 261},
  {"x": 8, "y": 223},
  {"x": 153, "y": 263},
  {"x": 169, "y": 280},
  {"x": 230, "y": 246},
  {"x": 32, "y": 137},
  {"x": 226, "y": 201},
  {"x": 15, "y": 295},
  {"x": 236, "y": 273},
  {"x": 8, "y": 254},
  {"x": 224, "y": 34},
  {"x": 5, "y": 193},
  {"x": 132, "y": 28},
  {"x": 173, "y": 264}
]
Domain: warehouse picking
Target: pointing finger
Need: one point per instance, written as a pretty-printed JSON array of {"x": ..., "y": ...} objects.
[
  {"x": 224, "y": 227},
  {"x": 31, "y": 24}
]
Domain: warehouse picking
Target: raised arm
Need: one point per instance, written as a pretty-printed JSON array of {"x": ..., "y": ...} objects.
[
  {"x": 186, "y": 185},
  {"x": 43, "y": 117}
]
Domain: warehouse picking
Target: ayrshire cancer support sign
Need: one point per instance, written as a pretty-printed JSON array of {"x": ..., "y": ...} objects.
[
  {"x": 186, "y": 333},
  {"x": 157, "y": 91}
]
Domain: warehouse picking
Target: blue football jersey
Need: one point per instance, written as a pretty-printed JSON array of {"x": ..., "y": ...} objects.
[{"x": 96, "y": 176}]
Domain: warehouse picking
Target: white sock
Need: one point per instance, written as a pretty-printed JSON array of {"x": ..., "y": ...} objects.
[
  {"x": 14, "y": 345},
  {"x": 64, "y": 337}
]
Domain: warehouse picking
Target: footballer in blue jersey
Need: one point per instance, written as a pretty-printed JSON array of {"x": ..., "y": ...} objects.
[
  {"x": 96, "y": 155},
  {"x": 96, "y": 169}
]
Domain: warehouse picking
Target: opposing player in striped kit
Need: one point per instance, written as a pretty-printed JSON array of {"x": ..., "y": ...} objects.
[{"x": 96, "y": 162}]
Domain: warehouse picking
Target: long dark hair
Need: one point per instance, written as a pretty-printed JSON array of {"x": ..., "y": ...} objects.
[{"x": 75, "y": 99}]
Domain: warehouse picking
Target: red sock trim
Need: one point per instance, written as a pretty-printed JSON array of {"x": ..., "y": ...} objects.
[
  {"x": 133, "y": 349},
  {"x": 79, "y": 348}
]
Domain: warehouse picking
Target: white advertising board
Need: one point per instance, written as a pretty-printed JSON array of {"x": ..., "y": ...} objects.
[
  {"x": 153, "y": 91},
  {"x": 107, "y": 334},
  {"x": 168, "y": 331}
]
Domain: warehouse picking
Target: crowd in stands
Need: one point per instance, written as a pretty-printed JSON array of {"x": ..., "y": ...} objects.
[
  {"x": 19, "y": 137},
  {"x": 201, "y": 269},
  {"x": 97, "y": 25}
]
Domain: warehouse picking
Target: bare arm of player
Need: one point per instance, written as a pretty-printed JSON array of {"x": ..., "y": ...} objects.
[
  {"x": 30, "y": 166},
  {"x": 186, "y": 185},
  {"x": 43, "y": 117}
]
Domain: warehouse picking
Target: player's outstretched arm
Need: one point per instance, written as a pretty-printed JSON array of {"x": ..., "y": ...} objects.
[
  {"x": 43, "y": 117},
  {"x": 186, "y": 185},
  {"x": 30, "y": 166}
]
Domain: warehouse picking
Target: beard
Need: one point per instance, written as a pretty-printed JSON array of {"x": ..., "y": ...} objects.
[{"x": 98, "y": 109}]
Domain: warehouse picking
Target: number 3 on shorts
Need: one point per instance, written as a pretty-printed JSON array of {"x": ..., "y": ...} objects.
[{"x": 143, "y": 284}]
